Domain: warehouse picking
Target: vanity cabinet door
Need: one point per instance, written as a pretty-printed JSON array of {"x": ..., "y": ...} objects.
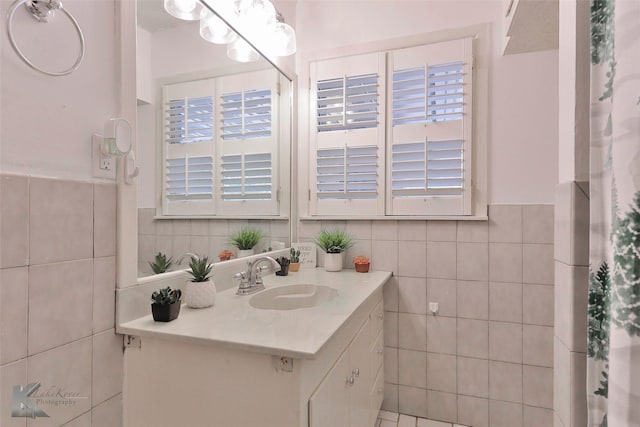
[
  {"x": 359, "y": 356},
  {"x": 329, "y": 404}
]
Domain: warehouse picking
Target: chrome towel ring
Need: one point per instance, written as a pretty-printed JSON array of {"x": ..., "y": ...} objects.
[{"x": 41, "y": 10}]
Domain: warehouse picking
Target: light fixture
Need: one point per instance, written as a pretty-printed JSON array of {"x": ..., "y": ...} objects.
[
  {"x": 116, "y": 140},
  {"x": 189, "y": 10},
  {"x": 280, "y": 39},
  {"x": 214, "y": 30},
  {"x": 257, "y": 20},
  {"x": 239, "y": 50}
]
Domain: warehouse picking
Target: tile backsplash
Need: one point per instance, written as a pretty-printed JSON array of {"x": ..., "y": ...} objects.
[{"x": 57, "y": 297}]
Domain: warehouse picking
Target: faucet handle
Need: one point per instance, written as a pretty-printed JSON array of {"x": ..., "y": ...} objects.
[{"x": 241, "y": 277}]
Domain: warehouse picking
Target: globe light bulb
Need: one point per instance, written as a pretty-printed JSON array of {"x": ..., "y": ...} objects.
[
  {"x": 214, "y": 30},
  {"x": 188, "y": 10}
]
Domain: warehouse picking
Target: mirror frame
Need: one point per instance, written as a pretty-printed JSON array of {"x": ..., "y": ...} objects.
[{"x": 127, "y": 194}]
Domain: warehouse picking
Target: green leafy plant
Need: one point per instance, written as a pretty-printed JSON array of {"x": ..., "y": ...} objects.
[
  {"x": 166, "y": 296},
  {"x": 334, "y": 241},
  {"x": 200, "y": 268},
  {"x": 246, "y": 238},
  {"x": 295, "y": 255},
  {"x": 161, "y": 263}
]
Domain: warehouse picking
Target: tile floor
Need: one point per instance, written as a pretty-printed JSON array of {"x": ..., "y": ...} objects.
[{"x": 392, "y": 419}]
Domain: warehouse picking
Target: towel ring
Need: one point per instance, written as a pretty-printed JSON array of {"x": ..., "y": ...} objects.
[{"x": 41, "y": 10}]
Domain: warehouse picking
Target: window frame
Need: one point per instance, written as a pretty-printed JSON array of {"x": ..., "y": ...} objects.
[
  {"x": 482, "y": 57},
  {"x": 281, "y": 127}
]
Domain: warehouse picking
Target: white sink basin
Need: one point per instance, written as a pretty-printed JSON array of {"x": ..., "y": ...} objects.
[{"x": 292, "y": 297}]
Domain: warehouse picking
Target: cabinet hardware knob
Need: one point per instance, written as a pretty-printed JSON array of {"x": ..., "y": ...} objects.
[
  {"x": 380, "y": 316},
  {"x": 350, "y": 380},
  {"x": 381, "y": 390},
  {"x": 380, "y": 351},
  {"x": 356, "y": 372}
]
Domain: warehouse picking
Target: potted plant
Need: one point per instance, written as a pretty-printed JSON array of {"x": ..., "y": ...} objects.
[
  {"x": 166, "y": 304},
  {"x": 245, "y": 239},
  {"x": 201, "y": 291},
  {"x": 362, "y": 264},
  {"x": 295, "y": 259},
  {"x": 161, "y": 263},
  {"x": 225, "y": 255},
  {"x": 284, "y": 266},
  {"x": 333, "y": 242}
]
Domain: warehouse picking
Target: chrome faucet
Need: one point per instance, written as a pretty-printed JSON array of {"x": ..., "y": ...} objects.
[{"x": 251, "y": 280}]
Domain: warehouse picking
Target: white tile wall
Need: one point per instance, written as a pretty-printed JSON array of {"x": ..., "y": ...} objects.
[
  {"x": 14, "y": 211},
  {"x": 493, "y": 282},
  {"x": 61, "y": 220},
  {"x": 571, "y": 255},
  {"x": 57, "y": 289},
  {"x": 67, "y": 367},
  {"x": 14, "y": 301},
  {"x": 60, "y": 303}
]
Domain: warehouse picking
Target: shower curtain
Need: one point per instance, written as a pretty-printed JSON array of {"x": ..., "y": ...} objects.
[{"x": 613, "y": 364}]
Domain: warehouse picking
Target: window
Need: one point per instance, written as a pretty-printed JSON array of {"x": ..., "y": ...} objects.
[
  {"x": 348, "y": 135},
  {"x": 409, "y": 154},
  {"x": 430, "y": 137},
  {"x": 220, "y": 140}
]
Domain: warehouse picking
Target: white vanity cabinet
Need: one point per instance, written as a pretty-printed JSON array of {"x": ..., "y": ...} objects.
[
  {"x": 184, "y": 374},
  {"x": 351, "y": 393}
]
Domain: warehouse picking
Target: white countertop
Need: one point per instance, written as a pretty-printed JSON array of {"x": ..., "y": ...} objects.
[{"x": 299, "y": 333}]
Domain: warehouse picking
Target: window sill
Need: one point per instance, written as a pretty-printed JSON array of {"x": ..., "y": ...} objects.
[
  {"x": 397, "y": 218},
  {"x": 256, "y": 217}
]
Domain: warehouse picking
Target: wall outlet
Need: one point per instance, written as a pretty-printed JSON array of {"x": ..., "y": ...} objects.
[
  {"x": 104, "y": 166},
  {"x": 434, "y": 307}
]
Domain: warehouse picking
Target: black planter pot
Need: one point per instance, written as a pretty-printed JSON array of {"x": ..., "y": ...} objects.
[
  {"x": 165, "y": 313},
  {"x": 284, "y": 271}
]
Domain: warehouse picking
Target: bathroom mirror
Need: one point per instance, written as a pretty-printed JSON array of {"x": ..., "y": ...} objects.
[{"x": 172, "y": 60}]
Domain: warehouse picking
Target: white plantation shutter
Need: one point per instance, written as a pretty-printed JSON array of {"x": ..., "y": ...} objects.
[
  {"x": 247, "y": 143},
  {"x": 246, "y": 114},
  {"x": 430, "y": 156},
  {"x": 188, "y": 148},
  {"x": 347, "y": 134}
]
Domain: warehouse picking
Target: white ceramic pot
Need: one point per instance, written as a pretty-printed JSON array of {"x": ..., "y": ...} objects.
[
  {"x": 333, "y": 262},
  {"x": 200, "y": 294},
  {"x": 245, "y": 252}
]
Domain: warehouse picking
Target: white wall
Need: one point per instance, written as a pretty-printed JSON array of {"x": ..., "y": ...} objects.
[
  {"x": 47, "y": 122},
  {"x": 523, "y": 116}
]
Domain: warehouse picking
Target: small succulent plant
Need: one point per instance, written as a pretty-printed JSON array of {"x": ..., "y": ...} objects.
[
  {"x": 225, "y": 255},
  {"x": 246, "y": 238},
  {"x": 361, "y": 260},
  {"x": 200, "y": 268},
  {"x": 283, "y": 261},
  {"x": 295, "y": 255},
  {"x": 334, "y": 241},
  {"x": 161, "y": 263},
  {"x": 166, "y": 296}
]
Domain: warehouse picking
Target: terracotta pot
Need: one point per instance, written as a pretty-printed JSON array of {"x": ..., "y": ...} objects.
[
  {"x": 294, "y": 267},
  {"x": 362, "y": 268}
]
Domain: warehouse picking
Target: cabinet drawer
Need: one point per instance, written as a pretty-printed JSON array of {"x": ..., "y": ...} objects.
[
  {"x": 377, "y": 321},
  {"x": 376, "y": 396}
]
